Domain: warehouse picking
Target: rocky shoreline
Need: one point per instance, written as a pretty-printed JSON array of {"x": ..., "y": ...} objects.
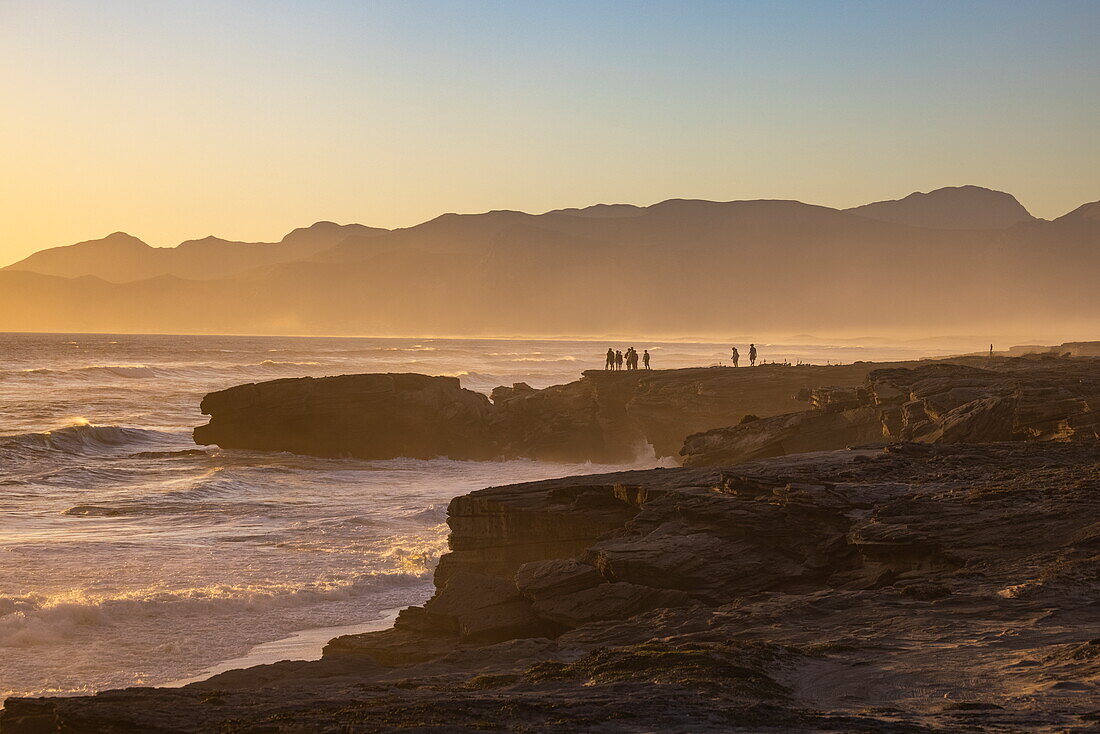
[
  {"x": 701, "y": 417},
  {"x": 603, "y": 417},
  {"x": 908, "y": 588},
  {"x": 1002, "y": 400},
  {"x": 943, "y": 577}
]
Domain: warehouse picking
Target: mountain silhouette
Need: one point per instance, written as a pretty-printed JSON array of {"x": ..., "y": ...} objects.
[
  {"x": 679, "y": 266},
  {"x": 1085, "y": 213},
  {"x": 954, "y": 207},
  {"x": 120, "y": 257}
]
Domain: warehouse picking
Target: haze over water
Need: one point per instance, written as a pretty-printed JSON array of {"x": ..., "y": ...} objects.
[{"x": 130, "y": 556}]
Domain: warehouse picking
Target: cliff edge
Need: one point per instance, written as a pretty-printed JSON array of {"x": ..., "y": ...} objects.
[{"x": 604, "y": 417}]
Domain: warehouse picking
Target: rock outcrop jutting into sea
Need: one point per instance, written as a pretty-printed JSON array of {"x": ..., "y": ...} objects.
[
  {"x": 708, "y": 416},
  {"x": 376, "y": 416},
  {"x": 606, "y": 417}
]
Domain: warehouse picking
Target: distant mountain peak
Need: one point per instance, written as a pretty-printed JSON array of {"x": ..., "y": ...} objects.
[
  {"x": 1085, "y": 213},
  {"x": 950, "y": 207},
  {"x": 602, "y": 211},
  {"x": 207, "y": 241},
  {"x": 116, "y": 238},
  {"x": 331, "y": 229}
]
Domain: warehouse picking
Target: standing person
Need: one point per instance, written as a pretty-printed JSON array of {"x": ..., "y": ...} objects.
[
  {"x": 618, "y": 360},
  {"x": 752, "y": 355},
  {"x": 632, "y": 359},
  {"x": 645, "y": 359},
  {"x": 735, "y": 356},
  {"x": 610, "y": 359}
]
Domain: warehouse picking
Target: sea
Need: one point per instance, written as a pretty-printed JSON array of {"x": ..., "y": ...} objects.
[{"x": 129, "y": 556}]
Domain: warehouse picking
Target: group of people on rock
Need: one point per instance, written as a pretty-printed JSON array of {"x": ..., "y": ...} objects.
[
  {"x": 616, "y": 359},
  {"x": 735, "y": 356}
]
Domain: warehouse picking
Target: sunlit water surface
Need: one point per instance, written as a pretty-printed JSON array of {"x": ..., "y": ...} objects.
[{"x": 130, "y": 556}]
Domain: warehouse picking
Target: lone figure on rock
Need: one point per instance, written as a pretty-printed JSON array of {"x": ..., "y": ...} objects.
[
  {"x": 610, "y": 359},
  {"x": 752, "y": 355},
  {"x": 735, "y": 356},
  {"x": 645, "y": 359}
]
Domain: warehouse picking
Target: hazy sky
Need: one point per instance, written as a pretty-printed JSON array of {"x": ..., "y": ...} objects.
[{"x": 246, "y": 118}]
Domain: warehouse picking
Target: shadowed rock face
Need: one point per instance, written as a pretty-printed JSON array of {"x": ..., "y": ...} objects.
[
  {"x": 916, "y": 587},
  {"x": 606, "y": 417},
  {"x": 1006, "y": 400},
  {"x": 369, "y": 416}
]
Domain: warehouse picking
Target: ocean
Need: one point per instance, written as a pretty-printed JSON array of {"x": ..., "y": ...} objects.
[{"x": 130, "y": 556}]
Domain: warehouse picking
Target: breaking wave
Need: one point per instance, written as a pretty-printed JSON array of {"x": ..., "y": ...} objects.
[
  {"x": 81, "y": 439},
  {"x": 476, "y": 381},
  {"x": 39, "y": 619}
]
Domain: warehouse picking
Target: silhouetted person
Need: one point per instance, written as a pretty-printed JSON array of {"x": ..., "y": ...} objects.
[
  {"x": 735, "y": 356},
  {"x": 618, "y": 360},
  {"x": 752, "y": 355},
  {"x": 610, "y": 359},
  {"x": 632, "y": 359},
  {"x": 645, "y": 359},
  {"x": 991, "y": 351}
]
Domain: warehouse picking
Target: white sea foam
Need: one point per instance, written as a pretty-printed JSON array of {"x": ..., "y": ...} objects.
[
  {"x": 144, "y": 371},
  {"x": 82, "y": 438},
  {"x": 47, "y": 619}
]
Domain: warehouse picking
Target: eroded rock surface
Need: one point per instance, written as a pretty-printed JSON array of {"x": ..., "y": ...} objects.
[
  {"x": 908, "y": 588},
  {"x": 1003, "y": 400}
]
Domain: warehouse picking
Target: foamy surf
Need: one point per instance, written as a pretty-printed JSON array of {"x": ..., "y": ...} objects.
[
  {"x": 81, "y": 438},
  {"x": 36, "y": 620}
]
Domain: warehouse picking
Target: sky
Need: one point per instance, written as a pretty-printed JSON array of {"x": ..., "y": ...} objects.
[{"x": 247, "y": 118}]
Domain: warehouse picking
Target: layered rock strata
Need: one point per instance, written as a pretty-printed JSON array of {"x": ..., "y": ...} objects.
[
  {"x": 1004, "y": 400},
  {"x": 915, "y": 587}
]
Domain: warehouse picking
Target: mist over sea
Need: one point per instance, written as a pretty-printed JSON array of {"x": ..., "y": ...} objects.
[{"x": 130, "y": 556}]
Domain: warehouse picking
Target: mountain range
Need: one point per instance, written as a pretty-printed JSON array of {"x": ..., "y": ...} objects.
[{"x": 951, "y": 259}]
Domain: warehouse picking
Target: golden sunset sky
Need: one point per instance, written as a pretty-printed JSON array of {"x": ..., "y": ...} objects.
[{"x": 248, "y": 118}]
